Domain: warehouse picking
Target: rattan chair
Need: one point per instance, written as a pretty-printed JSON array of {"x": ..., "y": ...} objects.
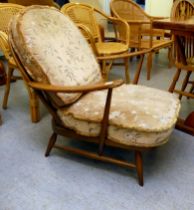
[
  {"x": 63, "y": 71},
  {"x": 7, "y": 11},
  {"x": 34, "y": 2},
  {"x": 90, "y": 20},
  {"x": 142, "y": 35},
  {"x": 182, "y": 10}
]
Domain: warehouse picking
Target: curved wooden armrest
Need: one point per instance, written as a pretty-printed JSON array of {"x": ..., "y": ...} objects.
[
  {"x": 124, "y": 55},
  {"x": 76, "y": 89},
  {"x": 4, "y": 46},
  {"x": 140, "y": 22}
]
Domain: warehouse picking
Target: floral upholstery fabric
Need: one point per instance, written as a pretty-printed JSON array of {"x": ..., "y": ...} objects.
[
  {"x": 53, "y": 50},
  {"x": 139, "y": 116}
]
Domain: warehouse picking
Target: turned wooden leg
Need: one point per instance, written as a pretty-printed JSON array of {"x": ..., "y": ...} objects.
[
  {"x": 185, "y": 82},
  {"x": 51, "y": 143},
  {"x": 149, "y": 65},
  {"x": 34, "y": 107},
  {"x": 139, "y": 167},
  {"x": 138, "y": 71},
  {"x": 7, "y": 87},
  {"x": 175, "y": 79},
  {"x": 127, "y": 75}
]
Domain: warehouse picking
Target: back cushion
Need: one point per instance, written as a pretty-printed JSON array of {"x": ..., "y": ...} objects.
[{"x": 53, "y": 50}]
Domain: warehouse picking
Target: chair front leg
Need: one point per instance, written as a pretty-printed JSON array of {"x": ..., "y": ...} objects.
[
  {"x": 127, "y": 74},
  {"x": 7, "y": 86},
  {"x": 139, "y": 167},
  {"x": 149, "y": 65}
]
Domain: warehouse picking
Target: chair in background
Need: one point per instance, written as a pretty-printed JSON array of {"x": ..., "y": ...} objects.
[
  {"x": 34, "y": 2},
  {"x": 90, "y": 21},
  {"x": 142, "y": 35},
  {"x": 63, "y": 66},
  {"x": 183, "y": 10},
  {"x": 7, "y": 11}
]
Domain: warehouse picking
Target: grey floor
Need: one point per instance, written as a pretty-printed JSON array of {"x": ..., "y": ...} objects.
[{"x": 29, "y": 181}]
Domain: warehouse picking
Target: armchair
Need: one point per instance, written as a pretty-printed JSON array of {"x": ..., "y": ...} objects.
[
  {"x": 142, "y": 35},
  {"x": 90, "y": 20},
  {"x": 63, "y": 71},
  {"x": 183, "y": 10},
  {"x": 7, "y": 11}
]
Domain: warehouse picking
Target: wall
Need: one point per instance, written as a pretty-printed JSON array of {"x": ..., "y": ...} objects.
[{"x": 158, "y": 7}]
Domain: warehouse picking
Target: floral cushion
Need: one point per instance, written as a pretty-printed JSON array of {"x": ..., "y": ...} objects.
[
  {"x": 53, "y": 50},
  {"x": 139, "y": 115}
]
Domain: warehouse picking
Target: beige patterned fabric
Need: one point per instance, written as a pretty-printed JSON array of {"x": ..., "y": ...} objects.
[
  {"x": 139, "y": 116},
  {"x": 53, "y": 50}
]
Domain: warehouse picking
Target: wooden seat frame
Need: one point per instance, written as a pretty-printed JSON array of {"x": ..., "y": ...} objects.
[{"x": 59, "y": 129}]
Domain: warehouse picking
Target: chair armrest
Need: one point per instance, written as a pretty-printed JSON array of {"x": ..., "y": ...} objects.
[
  {"x": 124, "y": 55},
  {"x": 4, "y": 46},
  {"x": 76, "y": 89}
]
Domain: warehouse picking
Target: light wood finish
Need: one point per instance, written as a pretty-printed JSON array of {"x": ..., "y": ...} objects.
[
  {"x": 183, "y": 10},
  {"x": 183, "y": 31},
  {"x": 86, "y": 18},
  {"x": 101, "y": 141},
  {"x": 142, "y": 35},
  {"x": 7, "y": 11},
  {"x": 34, "y": 2}
]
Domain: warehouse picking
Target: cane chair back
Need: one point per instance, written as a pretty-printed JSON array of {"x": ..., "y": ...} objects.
[
  {"x": 143, "y": 35},
  {"x": 34, "y": 2},
  {"x": 183, "y": 10},
  {"x": 7, "y": 12}
]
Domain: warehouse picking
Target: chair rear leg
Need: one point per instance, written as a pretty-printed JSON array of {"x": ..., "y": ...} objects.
[
  {"x": 149, "y": 65},
  {"x": 185, "y": 82},
  {"x": 127, "y": 75},
  {"x": 51, "y": 143},
  {"x": 7, "y": 87},
  {"x": 139, "y": 167},
  {"x": 175, "y": 79}
]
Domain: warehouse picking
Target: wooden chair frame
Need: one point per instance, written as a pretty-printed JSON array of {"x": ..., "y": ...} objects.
[
  {"x": 93, "y": 35},
  {"x": 4, "y": 46},
  {"x": 59, "y": 129},
  {"x": 149, "y": 32}
]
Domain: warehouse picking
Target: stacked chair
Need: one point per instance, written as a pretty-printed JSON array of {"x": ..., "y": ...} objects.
[
  {"x": 88, "y": 19},
  {"x": 7, "y": 11},
  {"x": 142, "y": 35},
  {"x": 35, "y": 2},
  {"x": 183, "y": 10},
  {"x": 62, "y": 69}
]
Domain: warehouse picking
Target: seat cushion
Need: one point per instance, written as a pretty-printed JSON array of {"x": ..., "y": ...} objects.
[
  {"x": 139, "y": 115},
  {"x": 107, "y": 48},
  {"x": 53, "y": 50}
]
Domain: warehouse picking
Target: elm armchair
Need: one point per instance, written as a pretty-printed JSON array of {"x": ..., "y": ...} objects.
[
  {"x": 63, "y": 71},
  {"x": 143, "y": 35},
  {"x": 7, "y": 11}
]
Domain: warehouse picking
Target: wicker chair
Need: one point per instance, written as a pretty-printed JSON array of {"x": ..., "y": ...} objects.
[
  {"x": 143, "y": 36},
  {"x": 7, "y": 11},
  {"x": 34, "y": 2},
  {"x": 182, "y": 10},
  {"x": 62, "y": 66},
  {"x": 90, "y": 21}
]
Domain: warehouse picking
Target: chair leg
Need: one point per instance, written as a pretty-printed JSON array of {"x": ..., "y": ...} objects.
[
  {"x": 185, "y": 82},
  {"x": 127, "y": 75},
  {"x": 138, "y": 71},
  {"x": 170, "y": 57},
  {"x": 191, "y": 90},
  {"x": 34, "y": 106},
  {"x": 7, "y": 87},
  {"x": 139, "y": 167},
  {"x": 51, "y": 143},
  {"x": 175, "y": 79},
  {"x": 149, "y": 65}
]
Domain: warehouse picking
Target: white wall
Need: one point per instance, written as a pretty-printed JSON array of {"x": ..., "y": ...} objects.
[{"x": 158, "y": 7}]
